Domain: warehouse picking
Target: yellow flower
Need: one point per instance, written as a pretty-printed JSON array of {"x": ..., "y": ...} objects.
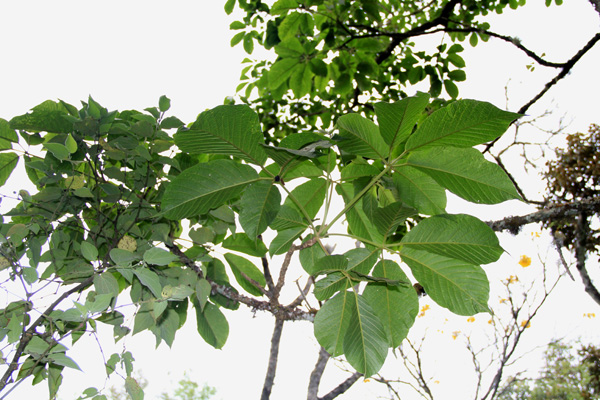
[
  {"x": 471, "y": 319},
  {"x": 423, "y": 309},
  {"x": 524, "y": 261},
  {"x": 367, "y": 380},
  {"x": 455, "y": 334},
  {"x": 503, "y": 301},
  {"x": 512, "y": 279},
  {"x": 436, "y": 382},
  {"x": 535, "y": 234},
  {"x": 589, "y": 315},
  {"x": 525, "y": 324},
  {"x": 490, "y": 321}
]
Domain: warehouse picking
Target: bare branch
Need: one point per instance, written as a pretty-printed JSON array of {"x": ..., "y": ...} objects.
[
  {"x": 274, "y": 354},
  {"x": 581, "y": 254},
  {"x": 342, "y": 387},
  {"x": 572, "y": 209},
  {"x": 317, "y": 373}
]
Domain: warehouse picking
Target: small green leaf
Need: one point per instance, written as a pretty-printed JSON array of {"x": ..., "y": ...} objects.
[
  {"x": 164, "y": 103},
  {"x": 212, "y": 325},
  {"x": 203, "y": 290},
  {"x": 158, "y": 256},
  {"x": 397, "y": 120},
  {"x": 149, "y": 279},
  {"x": 249, "y": 43},
  {"x": 62, "y": 360},
  {"x": 280, "y": 72},
  {"x": 133, "y": 389},
  {"x": 242, "y": 243},
  {"x": 451, "y": 88},
  {"x": 123, "y": 257},
  {"x": 8, "y": 162},
  {"x": 229, "y": 6},
  {"x": 89, "y": 251},
  {"x": 240, "y": 267},
  {"x": 106, "y": 283},
  {"x": 330, "y": 284},
  {"x": 58, "y": 150}
]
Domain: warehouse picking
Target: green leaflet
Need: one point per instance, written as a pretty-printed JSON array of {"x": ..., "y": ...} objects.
[
  {"x": 464, "y": 123},
  {"x": 466, "y": 173},
  {"x": 241, "y": 266},
  {"x": 212, "y": 325},
  {"x": 309, "y": 196},
  {"x": 458, "y": 236},
  {"x": 396, "y": 120},
  {"x": 461, "y": 287},
  {"x": 281, "y": 71},
  {"x": 230, "y": 129},
  {"x": 8, "y": 162},
  {"x": 361, "y": 136},
  {"x": 205, "y": 186},
  {"x": 365, "y": 342},
  {"x": 332, "y": 320},
  {"x": 260, "y": 204},
  {"x": 396, "y": 306},
  {"x": 419, "y": 190}
]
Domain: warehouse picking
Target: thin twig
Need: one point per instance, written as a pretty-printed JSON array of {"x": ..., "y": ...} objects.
[{"x": 342, "y": 387}]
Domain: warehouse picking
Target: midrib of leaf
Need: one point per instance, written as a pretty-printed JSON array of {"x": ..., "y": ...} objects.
[{"x": 220, "y": 139}]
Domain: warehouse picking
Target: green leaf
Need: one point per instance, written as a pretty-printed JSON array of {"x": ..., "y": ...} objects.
[
  {"x": 330, "y": 284},
  {"x": 365, "y": 342},
  {"x": 361, "y": 260},
  {"x": 133, "y": 389},
  {"x": 158, "y": 256},
  {"x": 337, "y": 262},
  {"x": 281, "y": 71},
  {"x": 288, "y": 217},
  {"x": 283, "y": 6},
  {"x": 464, "y": 123},
  {"x": 419, "y": 190},
  {"x": 466, "y": 173},
  {"x": 235, "y": 25},
  {"x": 290, "y": 25},
  {"x": 318, "y": 67},
  {"x": 290, "y": 48},
  {"x": 451, "y": 88},
  {"x": 7, "y": 133},
  {"x": 361, "y": 136},
  {"x": 168, "y": 325},
  {"x": 106, "y": 283},
  {"x": 212, "y": 325},
  {"x": 284, "y": 239},
  {"x": 123, "y": 257},
  {"x": 358, "y": 170},
  {"x": 310, "y": 255},
  {"x": 242, "y": 243},
  {"x": 203, "y": 289},
  {"x": 260, "y": 204},
  {"x": 48, "y": 116},
  {"x": 240, "y": 267},
  {"x": 58, "y": 150},
  {"x": 359, "y": 223},
  {"x": 396, "y": 306},
  {"x": 458, "y": 236},
  {"x": 229, "y": 6},
  {"x": 62, "y": 360},
  {"x": 461, "y": 287},
  {"x": 332, "y": 321},
  {"x": 149, "y": 279},
  {"x": 164, "y": 103},
  {"x": 309, "y": 196},
  {"x": 396, "y": 120},
  {"x": 202, "y": 235},
  {"x": 205, "y": 186},
  {"x": 8, "y": 162},
  {"x": 89, "y": 251},
  {"x": 230, "y": 130},
  {"x": 237, "y": 38},
  {"x": 248, "y": 43},
  {"x": 388, "y": 218},
  {"x": 301, "y": 80}
]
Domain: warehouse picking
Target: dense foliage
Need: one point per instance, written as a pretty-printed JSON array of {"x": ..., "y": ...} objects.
[{"x": 124, "y": 208}]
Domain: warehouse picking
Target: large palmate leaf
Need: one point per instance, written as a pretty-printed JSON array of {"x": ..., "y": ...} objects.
[
  {"x": 461, "y": 287},
  {"x": 365, "y": 342},
  {"x": 396, "y": 306},
  {"x": 361, "y": 136},
  {"x": 419, "y": 190},
  {"x": 466, "y": 173},
  {"x": 387, "y": 219},
  {"x": 397, "y": 120},
  {"x": 332, "y": 321},
  {"x": 231, "y": 129},
  {"x": 464, "y": 123},
  {"x": 205, "y": 186},
  {"x": 260, "y": 204},
  {"x": 458, "y": 236}
]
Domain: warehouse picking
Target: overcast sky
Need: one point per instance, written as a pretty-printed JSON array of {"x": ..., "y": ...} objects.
[{"x": 126, "y": 54}]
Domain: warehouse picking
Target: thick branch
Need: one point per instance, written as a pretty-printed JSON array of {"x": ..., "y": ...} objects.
[
  {"x": 573, "y": 209},
  {"x": 581, "y": 254},
  {"x": 317, "y": 373},
  {"x": 342, "y": 387},
  {"x": 274, "y": 354}
]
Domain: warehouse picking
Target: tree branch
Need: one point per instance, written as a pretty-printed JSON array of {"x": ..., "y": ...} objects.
[
  {"x": 317, "y": 373},
  {"x": 342, "y": 387},
  {"x": 581, "y": 254},
  {"x": 274, "y": 354},
  {"x": 572, "y": 209}
]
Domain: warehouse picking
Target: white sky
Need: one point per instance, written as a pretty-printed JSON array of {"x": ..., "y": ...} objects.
[{"x": 128, "y": 53}]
